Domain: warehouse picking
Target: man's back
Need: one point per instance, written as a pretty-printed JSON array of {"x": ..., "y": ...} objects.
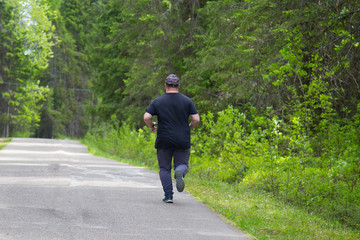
[{"x": 173, "y": 111}]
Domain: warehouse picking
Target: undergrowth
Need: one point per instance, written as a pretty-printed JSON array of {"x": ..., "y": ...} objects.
[{"x": 309, "y": 176}]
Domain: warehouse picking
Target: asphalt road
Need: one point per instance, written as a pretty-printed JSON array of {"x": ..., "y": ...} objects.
[{"x": 55, "y": 189}]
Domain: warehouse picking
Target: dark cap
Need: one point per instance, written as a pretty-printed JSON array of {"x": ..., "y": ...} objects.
[{"x": 172, "y": 79}]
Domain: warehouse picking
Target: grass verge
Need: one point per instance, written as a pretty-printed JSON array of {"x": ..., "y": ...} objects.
[
  {"x": 256, "y": 213},
  {"x": 4, "y": 142},
  {"x": 264, "y": 217}
]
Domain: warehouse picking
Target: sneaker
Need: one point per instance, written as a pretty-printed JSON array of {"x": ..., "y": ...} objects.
[
  {"x": 180, "y": 183},
  {"x": 168, "y": 199}
]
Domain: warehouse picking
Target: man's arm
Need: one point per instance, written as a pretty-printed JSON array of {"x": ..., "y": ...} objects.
[
  {"x": 195, "y": 119},
  {"x": 148, "y": 121}
]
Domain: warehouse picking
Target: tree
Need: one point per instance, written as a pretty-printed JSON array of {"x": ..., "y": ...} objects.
[
  {"x": 136, "y": 44},
  {"x": 68, "y": 73},
  {"x": 26, "y": 48}
]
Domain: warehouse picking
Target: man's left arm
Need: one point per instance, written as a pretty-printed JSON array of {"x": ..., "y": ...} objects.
[{"x": 195, "y": 119}]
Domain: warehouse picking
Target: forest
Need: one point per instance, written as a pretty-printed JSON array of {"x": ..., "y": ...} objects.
[{"x": 276, "y": 83}]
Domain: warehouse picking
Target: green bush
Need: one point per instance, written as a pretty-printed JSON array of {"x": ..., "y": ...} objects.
[
  {"x": 263, "y": 152},
  {"x": 124, "y": 142}
]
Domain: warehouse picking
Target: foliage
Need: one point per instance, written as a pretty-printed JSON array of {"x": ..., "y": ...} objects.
[
  {"x": 128, "y": 53},
  {"x": 26, "y": 42},
  {"x": 275, "y": 79},
  {"x": 275, "y": 83},
  {"x": 4, "y": 142},
  {"x": 263, "y": 152},
  {"x": 124, "y": 142},
  {"x": 316, "y": 171},
  {"x": 68, "y": 73},
  {"x": 245, "y": 149},
  {"x": 27, "y": 107},
  {"x": 262, "y": 216},
  {"x": 267, "y": 53}
]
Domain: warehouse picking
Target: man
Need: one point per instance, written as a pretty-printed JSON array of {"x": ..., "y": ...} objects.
[{"x": 173, "y": 133}]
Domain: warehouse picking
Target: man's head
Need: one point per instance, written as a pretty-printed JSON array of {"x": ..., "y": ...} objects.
[{"x": 172, "y": 81}]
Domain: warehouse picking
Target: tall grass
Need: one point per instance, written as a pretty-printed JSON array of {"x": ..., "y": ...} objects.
[{"x": 123, "y": 142}]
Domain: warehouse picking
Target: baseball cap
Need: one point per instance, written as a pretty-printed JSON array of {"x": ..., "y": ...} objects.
[{"x": 172, "y": 79}]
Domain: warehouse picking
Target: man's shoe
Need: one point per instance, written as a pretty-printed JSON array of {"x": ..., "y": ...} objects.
[
  {"x": 180, "y": 183},
  {"x": 168, "y": 199}
]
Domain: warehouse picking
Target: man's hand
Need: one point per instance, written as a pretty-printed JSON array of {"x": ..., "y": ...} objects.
[{"x": 154, "y": 127}]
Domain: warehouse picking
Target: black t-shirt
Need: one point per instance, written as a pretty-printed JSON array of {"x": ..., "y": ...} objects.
[{"x": 173, "y": 111}]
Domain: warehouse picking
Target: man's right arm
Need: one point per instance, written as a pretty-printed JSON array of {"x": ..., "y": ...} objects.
[{"x": 148, "y": 121}]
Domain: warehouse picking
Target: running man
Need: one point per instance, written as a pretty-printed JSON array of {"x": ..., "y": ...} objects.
[{"x": 173, "y": 133}]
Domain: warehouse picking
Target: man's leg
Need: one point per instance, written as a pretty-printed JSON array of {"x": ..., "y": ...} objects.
[
  {"x": 181, "y": 165},
  {"x": 165, "y": 159}
]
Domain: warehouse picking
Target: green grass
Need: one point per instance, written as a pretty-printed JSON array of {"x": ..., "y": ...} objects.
[
  {"x": 262, "y": 216},
  {"x": 93, "y": 149},
  {"x": 4, "y": 142},
  {"x": 256, "y": 213}
]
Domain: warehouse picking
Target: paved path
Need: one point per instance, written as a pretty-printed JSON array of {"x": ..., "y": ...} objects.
[{"x": 54, "y": 189}]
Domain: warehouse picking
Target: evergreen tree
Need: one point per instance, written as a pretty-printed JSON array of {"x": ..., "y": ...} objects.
[{"x": 68, "y": 73}]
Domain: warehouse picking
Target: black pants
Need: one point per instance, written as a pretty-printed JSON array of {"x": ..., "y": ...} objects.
[{"x": 181, "y": 162}]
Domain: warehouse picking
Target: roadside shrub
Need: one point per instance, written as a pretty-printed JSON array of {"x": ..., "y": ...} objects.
[
  {"x": 125, "y": 142},
  {"x": 263, "y": 152}
]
